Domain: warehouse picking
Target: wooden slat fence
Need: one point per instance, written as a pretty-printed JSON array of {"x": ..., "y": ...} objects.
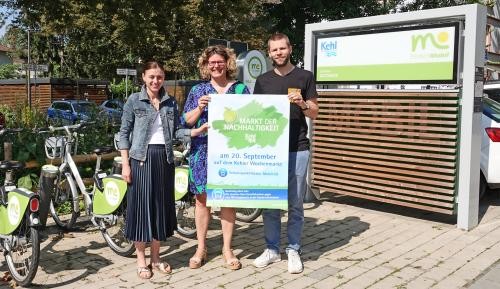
[
  {"x": 14, "y": 94},
  {"x": 398, "y": 147},
  {"x": 44, "y": 91}
]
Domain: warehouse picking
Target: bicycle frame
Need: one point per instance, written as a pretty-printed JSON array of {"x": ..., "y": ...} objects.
[
  {"x": 105, "y": 203},
  {"x": 74, "y": 174},
  {"x": 100, "y": 202}
]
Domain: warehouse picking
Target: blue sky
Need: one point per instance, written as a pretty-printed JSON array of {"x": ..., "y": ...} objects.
[{"x": 3, "y": 28}]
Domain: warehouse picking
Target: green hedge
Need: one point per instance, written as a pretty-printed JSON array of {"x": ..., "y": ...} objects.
[{"x": 28, "y": 145}]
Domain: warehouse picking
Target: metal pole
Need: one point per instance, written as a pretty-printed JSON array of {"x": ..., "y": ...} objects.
[
  {"x": 29, "y": 70},
  {"x": 470, "y": 119},
  {"x": 126, "y": 84}
]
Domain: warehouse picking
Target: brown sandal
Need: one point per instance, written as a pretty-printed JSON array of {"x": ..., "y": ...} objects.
[
  {"x": 147, "y": 270},
  {"x": 231, "y": 263},
  {"x": 196, "y": 262},
  {"x": 162, "y": 267}
]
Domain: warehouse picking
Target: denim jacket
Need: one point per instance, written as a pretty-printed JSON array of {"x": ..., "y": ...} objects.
[{"x": 138, "y": 118}]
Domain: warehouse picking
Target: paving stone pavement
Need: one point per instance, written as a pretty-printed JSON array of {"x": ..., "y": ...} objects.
[{"x": 347, "y": 243}]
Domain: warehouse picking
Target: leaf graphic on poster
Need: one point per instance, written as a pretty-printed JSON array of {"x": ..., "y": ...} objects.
[{"x": 252, "y": 124}]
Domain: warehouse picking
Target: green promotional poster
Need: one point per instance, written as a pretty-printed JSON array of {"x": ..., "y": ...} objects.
[{"x": 248, "y": 151}]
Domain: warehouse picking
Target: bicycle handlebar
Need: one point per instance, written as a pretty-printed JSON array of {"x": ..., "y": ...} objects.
[
  {"x": 68, "y": 128},
  {"x": 5, "y": 131},
  {"x": 41, "y": 130},
  {"x": 64, "y": 127}
]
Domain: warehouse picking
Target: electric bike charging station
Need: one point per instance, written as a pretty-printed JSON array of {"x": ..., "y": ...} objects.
[{"x": 428, "y": 157}]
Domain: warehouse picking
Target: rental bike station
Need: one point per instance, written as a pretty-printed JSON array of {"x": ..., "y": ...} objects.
[{"x": 415, "y": 148}]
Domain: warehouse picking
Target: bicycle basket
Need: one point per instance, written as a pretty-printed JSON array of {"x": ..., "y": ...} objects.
[{"x": 54, "y": 146}]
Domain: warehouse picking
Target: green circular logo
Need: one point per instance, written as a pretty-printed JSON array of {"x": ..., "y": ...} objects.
[
  {"x": 14, "y": 210},
  {"x": 254, "y": 67},
  {"x": 112, "y": 193}
]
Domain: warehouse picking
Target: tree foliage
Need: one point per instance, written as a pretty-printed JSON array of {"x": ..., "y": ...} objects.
[
  {"x": 119, "y": 89},
  {"x": 430, "y": 4},
  {"x": 9, "y": 71},
  {"x": 290, "y": 16},
  {"x": 91, "y": 39}
]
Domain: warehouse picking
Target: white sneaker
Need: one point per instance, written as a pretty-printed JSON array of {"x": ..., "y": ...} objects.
[
  {"x": 266, "y": 258},
  {"x": 294, "y": 263}
]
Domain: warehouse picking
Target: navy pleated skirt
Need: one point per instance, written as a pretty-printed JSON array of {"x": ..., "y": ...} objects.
[{"x": 150, "y": 198}]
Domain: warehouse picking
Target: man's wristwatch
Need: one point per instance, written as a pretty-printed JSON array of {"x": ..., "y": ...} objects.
[{"x": 305, "y": 108}]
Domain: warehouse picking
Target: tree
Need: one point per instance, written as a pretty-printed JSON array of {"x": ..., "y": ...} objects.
[
  {"x": 430, "y": 4},
  {"x": 290, "y": 16},
  {"x": 92, "y": 38},
  {"x": 9, "y": 71}
]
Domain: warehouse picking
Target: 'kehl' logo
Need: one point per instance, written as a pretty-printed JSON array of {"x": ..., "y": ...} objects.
[
  {"x": 438, "y": 41},
  {"x": 329, "y": 48}
]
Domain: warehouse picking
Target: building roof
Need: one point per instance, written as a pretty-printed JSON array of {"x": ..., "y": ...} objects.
[{"x": 5, "y": 48}]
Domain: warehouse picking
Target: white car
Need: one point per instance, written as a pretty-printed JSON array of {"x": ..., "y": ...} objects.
[{"x": 490, "y": 145}]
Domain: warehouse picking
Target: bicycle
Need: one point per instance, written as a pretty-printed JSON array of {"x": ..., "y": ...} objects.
[
  {"x": 185, "y": 202},
  {"x": 105, "y": 202},
  {"x": 247, "y": 215},
  {"x": 19, "y": 224}
]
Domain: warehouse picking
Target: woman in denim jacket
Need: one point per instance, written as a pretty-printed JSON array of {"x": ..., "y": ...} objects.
[{"x": 148, "y": 166}]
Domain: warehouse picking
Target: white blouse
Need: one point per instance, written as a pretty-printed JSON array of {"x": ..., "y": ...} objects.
[{"x": 157, "y": 137}]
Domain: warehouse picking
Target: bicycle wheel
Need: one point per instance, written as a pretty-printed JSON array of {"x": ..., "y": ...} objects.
[
  {"x": 62, "y": 204},
  {"x": 247, "y": 214},
  {"x": 114, "y": 234},
  {"x": 185, "y": 208},
  {"x": 23, "y": 256}
]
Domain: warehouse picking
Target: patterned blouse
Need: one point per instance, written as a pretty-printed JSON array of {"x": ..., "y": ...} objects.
[{"x": 198, "y": 153}]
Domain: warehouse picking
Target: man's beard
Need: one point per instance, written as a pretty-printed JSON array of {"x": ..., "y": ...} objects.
[{"x": 275, "y": 64}]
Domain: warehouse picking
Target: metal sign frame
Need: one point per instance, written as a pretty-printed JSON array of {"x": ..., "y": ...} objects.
[{"x": 471, "y": 60}]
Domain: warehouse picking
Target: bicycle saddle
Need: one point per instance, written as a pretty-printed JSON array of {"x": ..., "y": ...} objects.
[
  {"x": 103, "y": 150},
  {"x": 11, "y": 165}
]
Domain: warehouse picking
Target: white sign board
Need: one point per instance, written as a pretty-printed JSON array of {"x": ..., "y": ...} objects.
[
  {"x": 416, "y": 55},
  {"x": 126, "y": 71},
  {"x": 36, "y": 67}
]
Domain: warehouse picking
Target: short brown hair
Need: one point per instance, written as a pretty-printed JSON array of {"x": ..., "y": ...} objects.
[
  {"x": 223, "y": 51},
  {"x": 278, "y": 36}
]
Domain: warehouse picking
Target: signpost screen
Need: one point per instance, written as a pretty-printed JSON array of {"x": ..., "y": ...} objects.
[{"x": 422, "y": 54}]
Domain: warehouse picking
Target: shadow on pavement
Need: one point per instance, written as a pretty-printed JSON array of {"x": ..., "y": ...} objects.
[
  {"x": 78, "y": 259},
  {"x": 388, "y": 208},
  {"x": 319, "y": 237},
  {"x": 490, "y": 199},
  {"x": 53, "y": 261}
]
